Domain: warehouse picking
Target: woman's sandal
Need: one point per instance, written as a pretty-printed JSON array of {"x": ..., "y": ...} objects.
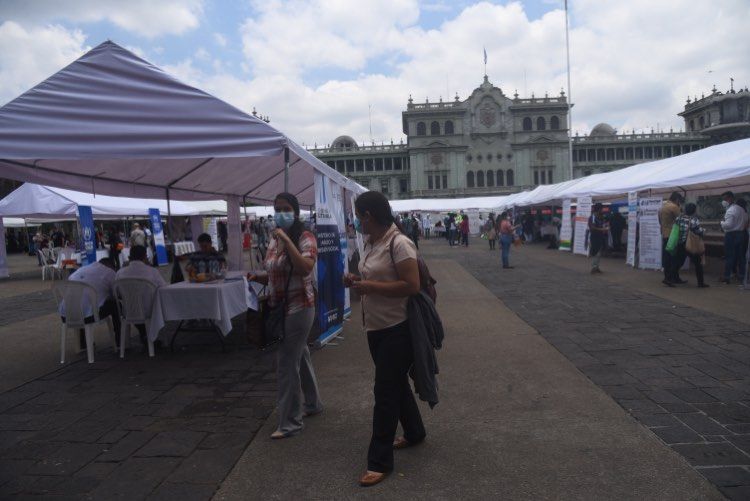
[
  {"x": 371, "y": 478},
  {"x": 278, "y": 435}
]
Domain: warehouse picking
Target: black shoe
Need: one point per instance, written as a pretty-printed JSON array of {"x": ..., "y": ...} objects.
[
  {"x": 680, "y": 281},
  {"x": 667, "y": 283},
  {"x": 703, "y": 286}
]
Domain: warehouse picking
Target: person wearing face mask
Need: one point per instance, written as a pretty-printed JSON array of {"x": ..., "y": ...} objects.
[
  {"x": 389, "y": 275},
  {"x": 289, "y": 263},
  {"x": 733, "y": 224}
]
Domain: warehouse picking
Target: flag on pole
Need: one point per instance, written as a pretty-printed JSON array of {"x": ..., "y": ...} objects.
[{"x": 485, "y": 55}]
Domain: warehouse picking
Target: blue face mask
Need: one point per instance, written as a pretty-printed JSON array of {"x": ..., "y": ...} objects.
[
  {"x": 284, "y": 220},
  {"x": 357, "y": 225}
]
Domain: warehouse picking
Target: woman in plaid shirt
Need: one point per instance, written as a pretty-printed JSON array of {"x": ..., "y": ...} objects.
[
  {"x": 292, "y": 250},
  {"x": 690, "y": 222}
]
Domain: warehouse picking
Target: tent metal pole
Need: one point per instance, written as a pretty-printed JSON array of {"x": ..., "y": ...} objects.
[
  {"x": 169, "y": 217},
  {"x": 286, "y": 169}
]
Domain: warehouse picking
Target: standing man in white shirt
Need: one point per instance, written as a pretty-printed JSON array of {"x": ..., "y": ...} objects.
[
  {"x": 138, "y": 267},
  {"x": 426, "y": 226},
  {"x": 137, "y": 236},
  {"x": 733, "y": 224},
  {"x": 101, "y": 276}
]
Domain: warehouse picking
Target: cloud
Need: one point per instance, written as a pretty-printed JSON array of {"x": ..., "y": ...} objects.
[
  {"x": 29, "y": 56},
  {"x": 147, "y": 18},
  {"x": 314, "y": 67},
  {"x": 220, "y": 40}
]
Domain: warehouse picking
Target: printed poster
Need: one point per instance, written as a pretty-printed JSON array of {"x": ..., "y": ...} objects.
[
  {"x": 581, "y": 240},
  {"x": 88, "y": 233},
  {"x": 632, "y": 226},
  {"x": 566, "y": 228},
  {"x": 649, "y": 237},
  {"x": 331, "y": 258},
  {"x": 157, "y": 233},
  {"x": 210, "y": 226}
]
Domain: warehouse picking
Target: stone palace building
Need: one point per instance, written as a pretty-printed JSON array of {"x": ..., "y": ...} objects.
[{"x": 493, "y": 144}]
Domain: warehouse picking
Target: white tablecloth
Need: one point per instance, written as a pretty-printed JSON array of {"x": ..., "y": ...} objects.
[{"x": 217, "y": 301}]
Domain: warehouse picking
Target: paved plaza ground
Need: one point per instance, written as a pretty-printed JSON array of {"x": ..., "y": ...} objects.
[{"x": 555, "y": 384}]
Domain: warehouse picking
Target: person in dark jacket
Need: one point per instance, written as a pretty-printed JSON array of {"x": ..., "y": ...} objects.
[{"x": 389, "y": 276}]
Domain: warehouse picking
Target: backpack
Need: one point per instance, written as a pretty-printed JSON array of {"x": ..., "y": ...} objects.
[{"x": 426, "y": 282}]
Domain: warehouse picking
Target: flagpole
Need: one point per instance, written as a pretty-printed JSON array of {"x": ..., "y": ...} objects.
[{"x": 570, "y": 99}]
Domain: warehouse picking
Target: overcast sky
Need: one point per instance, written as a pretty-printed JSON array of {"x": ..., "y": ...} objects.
[{"x": 315, "y": 66}]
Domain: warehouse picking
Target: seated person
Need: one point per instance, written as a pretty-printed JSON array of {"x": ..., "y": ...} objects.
[
  {"x": 101, "y": 276},
  {"x": 139, "y": 267},
  {"x": 206, "y": 259}
]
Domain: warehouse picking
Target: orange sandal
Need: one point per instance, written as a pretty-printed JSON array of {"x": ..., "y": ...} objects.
[{"x": 371, "y": 478}]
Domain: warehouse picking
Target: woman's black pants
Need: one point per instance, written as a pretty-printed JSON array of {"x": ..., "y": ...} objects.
[{"x": 392, "y": 353}]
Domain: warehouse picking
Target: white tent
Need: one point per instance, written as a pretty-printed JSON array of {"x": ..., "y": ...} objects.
[
  {"x": 111, "y": 123},
  {"x": 447, "y": 204},
  {"x": 45, "y": 202}
]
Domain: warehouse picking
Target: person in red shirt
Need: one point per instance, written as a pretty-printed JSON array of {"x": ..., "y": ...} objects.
[{"x": 465, "y": 231}]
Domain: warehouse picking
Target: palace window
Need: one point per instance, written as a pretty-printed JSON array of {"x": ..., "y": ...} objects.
[
  {"x": 360, "y": 164},
  {"x": 686, "y": 148},
  {"x": 340, "y": 166},
  {"x": 509, "y": 177},
  {"x": 430, "y": 185},
  {"x": 692, "y": 125},
  {"x": 368, "y": 164},
  {"x": 657, "y": 151},
  {"x": 701, "y": 122},
  {"x": 620, "y": 154},
  {"x": 610, "y": 154},
  {"x": 581, "y": 155},
  {"x": 639, "y": 153},
  {"x": 536, "y": 177},
  {"x": 549, "y": 176},
  {"x": 527, "y": 123},
  {"x": 587, "y": 173},
  {"x": 350, "y": 166},
  {"x": 388, "y": 163},
  {"x": 434, "y": 129},
  {"x": 490, "y": 178},
  {"x": 437, "y": 182},
  {"x": 421, "y": 129},
  {"x": 379, "y": 164},
  {"x": 445, "y": 180},
  {"x": 449, "y": 127},
  {"x": 480, "y": 179},
  {"x": 384, "y": 186},
  {"x": 648, "y": 152},
  {"x": 402, "y": 185},
  {"x": 541, "y": 123},
  {"x": 600, "y": 155},
  {"x": 500, "y": 178},
  {"x": 592, "y": 155},
  {"x": 628, "y": 153},
  {"x": 397, "y": 163},
  {"x": 554, "y": 123},
  {"x": 470, "y": 179},
  {"x": 667, "y": 151}
]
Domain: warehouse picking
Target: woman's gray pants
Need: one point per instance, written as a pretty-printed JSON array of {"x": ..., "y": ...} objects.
[{"x": 298, "y": 388}]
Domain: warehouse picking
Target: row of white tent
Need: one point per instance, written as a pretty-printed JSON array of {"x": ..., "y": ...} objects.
[{"x": 711, "y": 170}]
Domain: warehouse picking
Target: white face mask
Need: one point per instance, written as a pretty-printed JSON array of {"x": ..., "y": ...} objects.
[{"x": 725, "y": 204}]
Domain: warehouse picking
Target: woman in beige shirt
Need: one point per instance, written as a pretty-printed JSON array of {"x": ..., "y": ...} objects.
[{"x": 388, "y": 276}]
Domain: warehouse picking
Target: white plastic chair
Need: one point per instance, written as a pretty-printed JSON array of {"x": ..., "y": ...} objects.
[
  {"x": 49, "y": 266},
  {"x": 77, "y": 296},
  {"x": 135, "y": 299}
]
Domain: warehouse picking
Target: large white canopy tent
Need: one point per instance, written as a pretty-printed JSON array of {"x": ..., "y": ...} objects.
[
  {"x": 112, "y": 123},
  {"x": 447, "y": 204},
  {"x": 34, "y": 201}
]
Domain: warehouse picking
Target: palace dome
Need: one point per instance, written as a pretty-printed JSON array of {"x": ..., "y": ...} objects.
[
  {"x": 344, "y": 142},
  {"x": 603, "y": 129}
]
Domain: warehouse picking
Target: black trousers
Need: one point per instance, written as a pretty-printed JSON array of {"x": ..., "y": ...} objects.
[
  {"x": 392, "y": 353},
  {"x": 109, "y": 308},
  {"x": 698, "y": 264},
  {"x": 667, "y": 262}
]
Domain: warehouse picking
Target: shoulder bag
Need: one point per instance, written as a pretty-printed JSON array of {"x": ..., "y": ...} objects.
[{"x": 694, "y": 244}]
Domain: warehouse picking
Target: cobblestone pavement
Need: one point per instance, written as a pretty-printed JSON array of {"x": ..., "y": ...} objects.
[
  {"x": 26, "y": 306},
  {"x": 681, "y": 372},
  {"x": 165, "y": 428}
]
